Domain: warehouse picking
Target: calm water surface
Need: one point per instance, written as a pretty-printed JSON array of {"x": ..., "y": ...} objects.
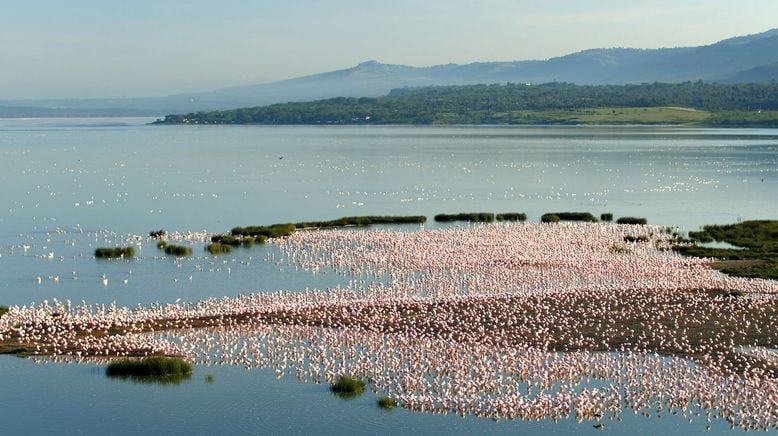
[{"x": 68, "y": 186}]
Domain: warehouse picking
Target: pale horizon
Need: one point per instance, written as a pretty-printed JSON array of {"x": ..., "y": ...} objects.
[{"x": 52, "y": 50}]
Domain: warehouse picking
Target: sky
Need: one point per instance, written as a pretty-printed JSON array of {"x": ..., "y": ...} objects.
[{"x": 143, "y": 48}]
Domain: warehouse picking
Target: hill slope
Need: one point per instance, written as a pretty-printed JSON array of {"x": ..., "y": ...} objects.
[
  {"x": 552, "y": 103},
  {"x": 752, "y": 58}
]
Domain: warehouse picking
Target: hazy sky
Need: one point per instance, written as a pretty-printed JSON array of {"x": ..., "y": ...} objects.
[{"x": 129, "y": 48}]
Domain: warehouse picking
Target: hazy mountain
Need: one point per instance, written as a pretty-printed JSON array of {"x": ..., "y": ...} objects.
[
  {"x": 761, "y": 74},
  {"x": 752, "y": 58}
]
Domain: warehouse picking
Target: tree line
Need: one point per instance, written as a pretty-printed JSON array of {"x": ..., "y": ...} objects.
[{"x": 494, "y": 104}]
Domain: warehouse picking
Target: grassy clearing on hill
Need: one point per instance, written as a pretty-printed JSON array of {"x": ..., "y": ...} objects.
[{"x": 607, "y": 115}]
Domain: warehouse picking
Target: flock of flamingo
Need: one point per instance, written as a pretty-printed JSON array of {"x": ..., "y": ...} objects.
[{"x": 507, "y": 321}]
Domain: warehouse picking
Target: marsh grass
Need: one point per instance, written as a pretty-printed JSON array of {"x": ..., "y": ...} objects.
[
  {"x": 479, "y": 217},
  {"x": 361, "y": 221},
  {"x": 701, "y": 236},
  {"x": 225, "y": 240},
  {"x": 3, "y": 310},
  {"x": 114, "y": 253},
  {"x": 347, "y": 387},
  {"x": 758, "y": 257},
  {"x": 262, "y": 233},
  {"x": 757, "y": 235},
  {"x": 178, "y": 250},
  {"x": 162, "y": 370},
  {"x": 271, "y": 231},
  {"x": 387, "y": 403},
  {"x": 632, "y": 220},
  {"x": 150, "y": 366},
  {"x": 511, "y": 216},
  {"x": 217, "y": 248},
  {"x": 228, "y": 240},
  {"x": 157, "y": 233},
  {"x": 607, "y": 217},
  {"x": 553, "y": 217}
]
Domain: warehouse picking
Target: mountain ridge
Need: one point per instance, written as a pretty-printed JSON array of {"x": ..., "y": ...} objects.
[{"x": 740, "y": 59}]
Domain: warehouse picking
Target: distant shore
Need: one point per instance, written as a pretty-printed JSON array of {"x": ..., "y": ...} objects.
[
  {"x": 696, "y": 104},
  {"x": 623, "y": 117}
]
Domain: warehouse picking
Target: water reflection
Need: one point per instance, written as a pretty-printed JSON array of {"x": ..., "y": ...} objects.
[{"x": 167, "y": 380}]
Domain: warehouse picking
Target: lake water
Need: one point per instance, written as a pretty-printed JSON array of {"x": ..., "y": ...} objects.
[{"x": 68, "y": 186}]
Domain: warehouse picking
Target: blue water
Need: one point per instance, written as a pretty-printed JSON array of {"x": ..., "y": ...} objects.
[
  {"x": 79, "y": 399},
  {"x": 142, "y": 177},
  {"x": 68, "y": 186}
]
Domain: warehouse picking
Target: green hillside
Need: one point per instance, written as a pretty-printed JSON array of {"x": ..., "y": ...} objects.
[{"x": 554, "y": 103}]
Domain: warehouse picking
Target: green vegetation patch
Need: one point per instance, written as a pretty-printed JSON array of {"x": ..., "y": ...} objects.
[
  {"x": 759, "y": 235},
  {"x": 271, "y": 231},
  {"x": 483, "y": 217},
  {"x": 262, "y": 233},
  {"x": 553, "y": 217},
  {"x": 387, "y": 403},
  {"x": 249, "y": 241},
  {"x": 240, "y": 240},
  {"x": 644, "y": 115},
  {"x": 149, "y": 367},
  {"x": 513, "y": 216},
  {"x": 631, "y": 220},
  {"x": 607, "y": 217},
  {"x": 347, "y": 387},
  {"x": 758, "y": 256},
  {"x": 3, "y": 310},
  {"x": 701, "y": 236},
  {"x": 605, "y": 115},
  {"x": 360, "y": 221},
  {"x": 178, "y": 250},
  {"x": 157, "y": 233},
  {"x": 752, "y": 118},
  {"x": 219, "y": 248},
  {"x": 114, "y": 253},
  {"x": 226, "y": 240}
]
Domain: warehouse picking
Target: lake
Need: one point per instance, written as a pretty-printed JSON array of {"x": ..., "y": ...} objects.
[{"x": 68, "y": 186}]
